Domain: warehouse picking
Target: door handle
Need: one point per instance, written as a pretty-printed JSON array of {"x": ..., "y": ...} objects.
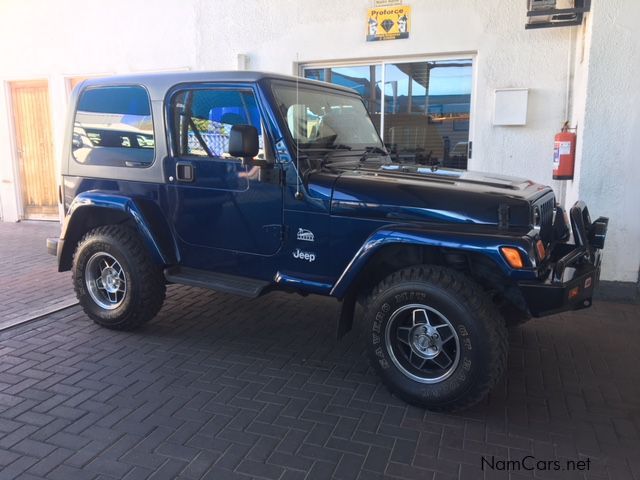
[{"x": 185, "y": 172}]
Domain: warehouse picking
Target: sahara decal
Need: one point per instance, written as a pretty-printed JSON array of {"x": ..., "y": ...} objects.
[{"x": 306, "y": 235}]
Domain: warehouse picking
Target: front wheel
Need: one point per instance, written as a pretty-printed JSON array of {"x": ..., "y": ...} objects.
[
  {"x": 116, "y": 281},
  {"x": 436, "y": 339}
]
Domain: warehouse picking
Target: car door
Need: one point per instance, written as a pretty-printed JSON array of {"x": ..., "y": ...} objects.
[{"x": 220, "y": 208}]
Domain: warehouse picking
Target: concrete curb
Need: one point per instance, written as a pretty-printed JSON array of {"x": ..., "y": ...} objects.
[
  {"x": 56, "y": 307},
  {"x": 626, "y": 292}
]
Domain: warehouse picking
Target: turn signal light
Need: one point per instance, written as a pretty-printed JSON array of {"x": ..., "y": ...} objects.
[
  {"x": 573, "y": 293},
  {"x": 540, "y": 248},
  {"x": 513, "y": 257}
]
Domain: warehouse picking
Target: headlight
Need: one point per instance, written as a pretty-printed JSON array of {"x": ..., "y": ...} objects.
[{"x": 536, "y": 217}]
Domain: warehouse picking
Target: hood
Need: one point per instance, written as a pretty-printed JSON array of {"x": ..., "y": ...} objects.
[{"x": 418, "y": 193}]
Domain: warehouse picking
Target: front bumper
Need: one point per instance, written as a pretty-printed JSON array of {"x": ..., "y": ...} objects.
[{"x": 575, "y": 269}]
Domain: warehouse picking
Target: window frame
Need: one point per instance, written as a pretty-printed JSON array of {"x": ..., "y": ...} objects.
[
  {"x": 299, "y": 69},
  {"x": 172, "y": 147},
  {"x": 153, "y": 124}
]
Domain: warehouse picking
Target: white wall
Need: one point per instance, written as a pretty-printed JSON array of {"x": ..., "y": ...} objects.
[
  {"x": 507, "y": 56},
  {"x": 608, "y": 169},
  {"x": 40, "y": 39},
  {"x": 75, "y": 37}
]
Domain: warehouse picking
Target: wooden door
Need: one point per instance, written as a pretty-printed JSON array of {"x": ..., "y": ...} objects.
[
  {"x": 34, "y": 143},
  {"x": 73, "y": 81}
]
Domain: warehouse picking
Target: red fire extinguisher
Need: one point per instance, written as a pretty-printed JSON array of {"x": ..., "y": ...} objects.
[{"x": 564, "y": 154}]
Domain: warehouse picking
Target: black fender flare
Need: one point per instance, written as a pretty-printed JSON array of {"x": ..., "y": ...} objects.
[{"x": 95, "y": 208}]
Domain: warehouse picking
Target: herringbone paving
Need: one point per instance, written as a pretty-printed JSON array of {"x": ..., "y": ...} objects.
[
  {"x": 29, "y": 282},
  {"x": 218, "y": 387}
]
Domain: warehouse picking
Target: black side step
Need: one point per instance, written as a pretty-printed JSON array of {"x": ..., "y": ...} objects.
[{"x": 221, "y": 282}]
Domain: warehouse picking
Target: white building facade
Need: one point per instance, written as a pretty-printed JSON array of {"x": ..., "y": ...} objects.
[{"x": 585, "y": 74}]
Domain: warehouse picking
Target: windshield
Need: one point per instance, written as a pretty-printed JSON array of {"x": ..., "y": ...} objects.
[{"x": 321, "y": 119}]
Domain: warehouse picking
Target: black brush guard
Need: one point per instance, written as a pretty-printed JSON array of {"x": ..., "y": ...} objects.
[{"x": 575, "y": 268}]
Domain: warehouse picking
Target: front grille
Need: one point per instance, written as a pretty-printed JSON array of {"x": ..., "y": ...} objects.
[{"x": 546, "y": 206}]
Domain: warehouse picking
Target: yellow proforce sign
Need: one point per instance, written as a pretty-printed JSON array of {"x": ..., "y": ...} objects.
[{"x": 388, "y": 23}]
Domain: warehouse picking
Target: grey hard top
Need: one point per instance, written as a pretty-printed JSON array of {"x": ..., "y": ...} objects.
[{"x": 159, "y": 83}]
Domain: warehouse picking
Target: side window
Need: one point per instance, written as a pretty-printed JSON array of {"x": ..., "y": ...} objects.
[
  {"x": 202, "y": 121},
  {"x": 113, "y": 127}
]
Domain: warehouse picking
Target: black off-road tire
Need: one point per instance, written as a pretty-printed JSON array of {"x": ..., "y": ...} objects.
[
  {"x": 145, "y": 284},
  {"x": 470, "y": 314},
  {"x": 513, "y": 316}
]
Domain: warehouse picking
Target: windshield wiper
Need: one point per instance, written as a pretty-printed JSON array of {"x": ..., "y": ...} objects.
[
  {"x": 324, "y": 148},
  {"x": 331, "y": 150},
  {"x": 326, "y": 151},
  {"x": 377, "y": 150},
  {"x": 368, "y": 151}
]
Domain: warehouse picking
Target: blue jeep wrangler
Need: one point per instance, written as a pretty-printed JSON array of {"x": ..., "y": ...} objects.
[{"x": 246, "y": 182}]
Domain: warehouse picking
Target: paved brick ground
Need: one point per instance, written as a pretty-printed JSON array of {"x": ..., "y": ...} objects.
[
  {"x": 29, "y": 282},
  {"x": 217, "y": 387}
]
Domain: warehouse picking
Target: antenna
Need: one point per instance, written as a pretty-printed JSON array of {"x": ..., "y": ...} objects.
[{"x": 298, "y": 194}]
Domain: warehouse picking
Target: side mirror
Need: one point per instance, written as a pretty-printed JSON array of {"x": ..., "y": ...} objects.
[{"x": 243, "y": 142}]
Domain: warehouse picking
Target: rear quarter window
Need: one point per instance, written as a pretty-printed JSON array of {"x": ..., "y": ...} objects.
[{"x": 113, "y": 126}]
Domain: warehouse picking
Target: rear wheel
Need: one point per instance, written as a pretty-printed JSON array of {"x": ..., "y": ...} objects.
[
  {"x": 116, "y": 281},
  {"x": 436, "y": 340}
]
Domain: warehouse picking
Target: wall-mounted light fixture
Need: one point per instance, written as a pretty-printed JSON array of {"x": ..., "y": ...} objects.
[{"x": 544, "y": 14}]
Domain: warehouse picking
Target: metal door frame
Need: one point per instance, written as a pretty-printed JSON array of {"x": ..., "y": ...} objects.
[{"x": 300, "y": 66}]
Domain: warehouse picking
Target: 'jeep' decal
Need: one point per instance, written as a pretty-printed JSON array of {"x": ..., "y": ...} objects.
[{"x": 308, "y": 256}]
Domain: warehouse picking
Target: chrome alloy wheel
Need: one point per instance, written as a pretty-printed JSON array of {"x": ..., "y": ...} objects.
[
  {"x": 106, "y": 280},
  {"x": 422, "y": 343}
]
